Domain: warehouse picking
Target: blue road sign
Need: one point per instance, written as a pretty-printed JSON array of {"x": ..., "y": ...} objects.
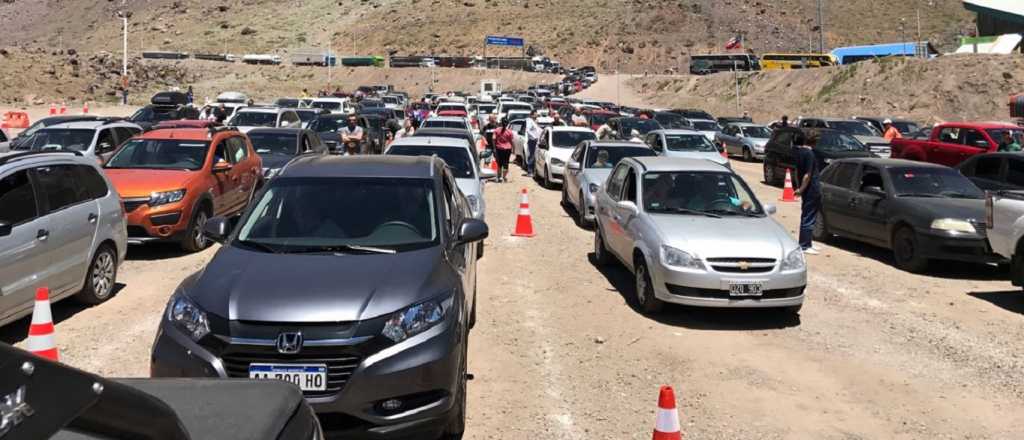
[{"x": 505, "y": 41}]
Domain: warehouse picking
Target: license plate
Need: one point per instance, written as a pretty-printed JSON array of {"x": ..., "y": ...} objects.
[
  {"x": 308, "y": 377},
  {"x": 745, "y": 289}
]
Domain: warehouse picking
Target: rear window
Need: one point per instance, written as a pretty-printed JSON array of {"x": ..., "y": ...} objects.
[
  {"x": 599, "y": 157},
  {"x": 255, "y": 119},
  {"x": 569, "y": 139},
  {"x": 441, "y": 123},
  {"x": 456, "y": 158}
]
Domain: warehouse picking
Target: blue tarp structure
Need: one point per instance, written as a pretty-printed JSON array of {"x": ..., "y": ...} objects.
[{"x": 852, "y": 54}]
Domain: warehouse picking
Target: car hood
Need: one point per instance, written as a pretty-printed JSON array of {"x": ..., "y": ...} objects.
[
  {"x": 239, "y": 284},
  {"x": 141, "y": 182},
  {"x": 741, "y": 237},
  {"x": 928, "y": 208},
  {"x": 274, "y": 161},
  {"x": 712, "y": 156},
  {"x": 871, "y": 140}
]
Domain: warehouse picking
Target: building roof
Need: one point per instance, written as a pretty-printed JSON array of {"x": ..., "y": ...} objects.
[
  {"x": 907, "y": 48},
  {"x": 1010, "y": 10}
]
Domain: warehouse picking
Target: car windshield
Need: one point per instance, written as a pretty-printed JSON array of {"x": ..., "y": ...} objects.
[
  {"x": 329, "y": 125},
  {"x": 641, "y": 125},
  {"x": 275, "y": 143},
  {"x": 391, "y": 100},
  {"x": 757, "y": 132},
  {"x": 905, "y": 127},
  {"x": 834, "y": 141},
  {"x": 689, "y": 142},
  {"x": 509, "y": 107},
  {"x": 607, "y": 158},
  {"x": 705, "y": 125},
  {"x": 287, "y": 102},
  {"x": 319, "y": 215},
  {"x": 443, "y": 123},
  {"x": 61, "y": 139},
  {"x": 697, "y": 192},
  {"x": 599, "y": 118},
  {"x": 931, "y": 182},
  {"x": 456, "y": 158},
  {"x": 671, "y": 120},
  {"x": 999, "y": 135},
  {"x": 856, "y": 128},
  {"x": 255, "y": 119},
  {"x": 570, "y": 139},
  {"x": 326, "y": 105},
  {"x": 160, "y": 154},
  {"x": 307, "y": 116}
]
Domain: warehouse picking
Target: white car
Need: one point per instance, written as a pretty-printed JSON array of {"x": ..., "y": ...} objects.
[
  {"x": 249, "y": 118},
  {"x": 688, "y": 144},
  {"x": 554, "y": 148},
  {"x": 457, "y": 106},
  {"x": 331, "y": 104},
  {"x": 707, "y": 127},
  {"x": 504, "y": 107},
  {"x": 97, "y": 139}
]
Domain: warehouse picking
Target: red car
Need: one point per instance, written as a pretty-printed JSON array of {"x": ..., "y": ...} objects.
[
  {"x": 597, "y": 118},
  {"x": 954, "y": 142}
]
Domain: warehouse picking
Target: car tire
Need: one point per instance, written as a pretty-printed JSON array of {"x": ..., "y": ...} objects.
[
  {"x": 547, "y": 179},
  {"x": 748, "y": 156},
  {"x": 565, "y": 198},
  {"x": 480, "y": 250},
  {"x": 820, "y": 232},
  {"x": 581, "y": 213},
  {"x": 601, "y": 255},
  {"x": 906, "y": 252},
  {"x": 457, "y": 424},
  {"x": 472, "y": 313},
  {"x": 645, "y": 298},
  {"x": 769, "y": 174},
  {"x": 195, "y": 239},
  {"x": 101, "y": 277}
]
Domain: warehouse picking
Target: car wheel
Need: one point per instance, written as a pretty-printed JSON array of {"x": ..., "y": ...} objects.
[
  {"x": 565, "y": 197},
  {"x": 820, "y": 232},
  {"x": 457, "y": 424},
  {"x": 195, "y": 240},
  {"x": 747, "y": 155},
  {"x": 547, "y": 179},
  {"x": 906, "y": 251},
  {"x": 769, "y": 174},
  {"x": 100, "y": 279},
  {"x": 581, "y": 213},
  {"x": 480, "y": 250},
  {"x": 601, "y": 254},
  {"x": 645, "y": 290}
]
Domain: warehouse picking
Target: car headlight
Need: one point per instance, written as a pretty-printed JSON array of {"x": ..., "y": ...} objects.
[
  {"x": 417, "y": 319},
  {"x": 557, "y": 162},
  {"x": 953, "y": 225},
  {"x": 188, "y": 317},
  {"x": 474, "y": 203},
  {"x": 270, "y": 172},
  {"x": 682, "y": 259},
  {"x": 165, "y": 197},
  {"x": 594, "y": 188},
  {"x": 794, "y": 260}
]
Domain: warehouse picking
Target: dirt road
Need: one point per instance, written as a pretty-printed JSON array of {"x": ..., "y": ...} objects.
[{"x": 561, "y": 353}]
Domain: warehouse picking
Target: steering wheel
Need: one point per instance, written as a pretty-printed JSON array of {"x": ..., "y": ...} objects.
[{"x": 401, "y": 224}]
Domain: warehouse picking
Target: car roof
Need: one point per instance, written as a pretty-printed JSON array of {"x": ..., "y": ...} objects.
[
  {"x": 892, "y": 163},
  {"x": 667, "y": 131},
  {"x": 447, "y": 119},
  {"x": 662, "y": 163},
  {"x": 570, "y": 128},
  {"x": 702, "y": 120},
  {"x": 260, "y": 110},
  {"x": 279, "y": 130},
  {"x": 383, "y": 166},
  {"x": 617, "y": 144},
  {"x": 745, "y": 124},
  {"x": 441, "y": 130},
  {"x": 15, "y": 158},
  {"x": 434, "y": 141},
  {"x": 78, "y": 125},
  {"x": 190, "y": 134}
]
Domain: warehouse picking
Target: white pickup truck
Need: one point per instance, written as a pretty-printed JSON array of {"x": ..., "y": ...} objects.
[{"x": 1004, "y": 219}]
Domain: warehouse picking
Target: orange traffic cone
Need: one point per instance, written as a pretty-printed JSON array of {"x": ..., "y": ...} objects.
[
  {"x": 85, "y": 108},
  {"x": 53, "y": 109},
  {"x": 494, "y": 164},
  {"x": 524, "y": 223},
  {"x": 787, "y": 190},
  {"x": 63, "y": 108},
  {"x": 40, "y": 333},
  {"x": 667, "y": 425}
]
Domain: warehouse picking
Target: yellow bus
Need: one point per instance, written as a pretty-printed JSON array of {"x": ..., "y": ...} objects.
[{"x": 777, "y": 61}]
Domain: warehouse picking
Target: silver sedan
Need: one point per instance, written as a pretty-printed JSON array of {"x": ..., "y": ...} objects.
[
  {"x": 693, "y": 233},
  {"x": 588, "y": 169}
]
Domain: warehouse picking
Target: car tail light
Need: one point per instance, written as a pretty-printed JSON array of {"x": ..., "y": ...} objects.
[{"x": 989, "y": 218}]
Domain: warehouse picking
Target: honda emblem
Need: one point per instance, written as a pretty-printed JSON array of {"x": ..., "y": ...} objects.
[{"x": 289, "y": 343}]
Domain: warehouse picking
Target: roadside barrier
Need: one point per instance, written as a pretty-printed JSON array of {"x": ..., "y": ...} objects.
[
  {"x": 85, "y": 108},
  {"x": 63, "y": 108},
  {"x": 41, "y": 341},
  {"x": 53, "y": 109},
  {"x": 788, "y": 195},
  {"x": 666, "y": 427},
  {"x": 15, "y": 119},
  {"x": 524, "y": 222}
]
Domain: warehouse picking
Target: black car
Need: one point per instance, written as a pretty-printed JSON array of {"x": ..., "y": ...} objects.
[
  {"x": 692, "y": 113},
  {"x": 374, "y": 136},
  {"x": 726, "y": 120},
  {"x": 921, "y": 211},
  {"x": 780, "y": 153},
  {"x": 164, "y": 106},
  {"x": 277, "y": 146},
  {"x": 624, "y": 126},
  {"x": 352, "y": 277},
  {"x": 995, "y": 171},
  {"x": 671, "y": 120}
]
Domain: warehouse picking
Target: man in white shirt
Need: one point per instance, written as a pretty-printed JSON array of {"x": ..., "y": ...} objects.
[
  {"x": 578, "y": 119},
  {"x": 533, "y": 132}
]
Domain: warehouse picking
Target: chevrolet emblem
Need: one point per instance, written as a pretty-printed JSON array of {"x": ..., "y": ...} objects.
[{"x": 744, "y": 265}]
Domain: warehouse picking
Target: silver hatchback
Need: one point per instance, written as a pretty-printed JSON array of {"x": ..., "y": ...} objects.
[
  {"x": 693, "y": 233},
  {"x": 61, "y": 227}
]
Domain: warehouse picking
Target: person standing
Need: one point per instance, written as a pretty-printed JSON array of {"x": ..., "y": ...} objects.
[
  {"x": 406, "y": 131},
  {"x": 487, "y": 132},
  {"x": 351, "y": 136},
  {"x": 533, "y": 133},
  {"x": 890, "y": 131},
  {"x": 189, "y": 96},
  {"x": 809, "y": 190},
  {"x": 578, "y": 119},
  {"x": 1008, "y": 143},
  {"x": 503, "y": 149},
  {"x": 556, "y": 120},
  {"x": 305, "y": 94}
]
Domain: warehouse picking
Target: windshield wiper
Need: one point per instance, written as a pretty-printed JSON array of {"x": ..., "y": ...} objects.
[
  {"x": 728, "y": 212},
  {"x": 689, "y": 211},
  {"x": 344, "y": 248},
  {"x": 919, "y": 195},
  {"x": 958, "y": 195},
  {"x": 260, "y": 246}
]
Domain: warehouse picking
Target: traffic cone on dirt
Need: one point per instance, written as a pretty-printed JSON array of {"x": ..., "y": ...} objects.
[
  {"x": 63, "y": 108},
  {"x": 494, "y": 164},
  {"x": 40, "y": 333},
  {"x": 524, "y": 222},
  {"x": 53, "y": 109},
  {"x": 787, "y": 189},
  {"x": 667, "y": 425},
  {"x": 85, "y": 108}
]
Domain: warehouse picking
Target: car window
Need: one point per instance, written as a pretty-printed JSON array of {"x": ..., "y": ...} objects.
[
  {"x": 843, "y": 175},
  {"x": 986, "y": 168},
  {"x": 60, "y": 185},
  {"x": 783, "y": 139},
  {"x": 949, "y": 135},
  {"x": 615, "y": 182},
  {"x": 1015, "y": 172},
  {"x": 18, "y": 199},
  {"x": 577, "y": 155},
  {"x": 272, "y": 143},
  {"x": 105, "y": 141},
  {"x": 91, "y": 182},
  {"x": 458, "y": 160},
  {"x": 974, "y": 138},
  {"x": 871, "y": 176},
  {"x": 237, "y": 149},
  {"x": 604, "y": 157},
  {"x": 681, "y": 192},
  {"x": 629, "y": 188}
]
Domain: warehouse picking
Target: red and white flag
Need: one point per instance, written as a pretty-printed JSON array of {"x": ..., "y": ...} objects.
[{"x": 734, "y": 43}]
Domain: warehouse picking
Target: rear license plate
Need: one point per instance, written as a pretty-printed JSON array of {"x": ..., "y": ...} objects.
[
  {"x": 745, "y": 289},
  {"x": 308, "y": 377}
]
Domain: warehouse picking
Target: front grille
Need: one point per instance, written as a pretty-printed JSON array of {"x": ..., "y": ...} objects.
[
  {"x": 133, "y": 204},
  {"x": 742, "y": 265},
  {"x": 724, "y": 294},
  {"x": 339, "y": 365}
]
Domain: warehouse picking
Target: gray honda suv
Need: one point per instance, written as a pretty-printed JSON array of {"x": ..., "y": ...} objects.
[{"x": 353, "y": 278}]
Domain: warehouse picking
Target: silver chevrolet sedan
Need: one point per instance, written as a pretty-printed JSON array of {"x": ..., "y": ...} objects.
[
  {"x": 588, "y": 169},
  {"x": 692, "y": 233}
]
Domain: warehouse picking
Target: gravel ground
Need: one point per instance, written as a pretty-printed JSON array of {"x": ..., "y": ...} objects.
[{"x": 561, "y": 353}]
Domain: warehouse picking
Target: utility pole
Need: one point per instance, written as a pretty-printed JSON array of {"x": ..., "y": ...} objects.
[
  {"x": 123, "y": 14},
  {"x": 821, "y": 30},
  {"x": 903, "y": 35},
  {"x": 736, "y": 75}
]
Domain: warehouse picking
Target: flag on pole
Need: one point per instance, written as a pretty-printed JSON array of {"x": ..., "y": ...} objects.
[{"x": 734, "y": 43}]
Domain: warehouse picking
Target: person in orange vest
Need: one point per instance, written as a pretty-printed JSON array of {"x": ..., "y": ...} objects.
[{"x": 890, "y": 131}]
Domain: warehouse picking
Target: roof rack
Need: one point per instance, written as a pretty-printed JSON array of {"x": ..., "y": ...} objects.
[{"x": 17, "y": 156}]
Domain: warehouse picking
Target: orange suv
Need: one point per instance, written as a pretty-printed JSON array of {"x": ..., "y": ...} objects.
[{"x": 172, "y": 180}]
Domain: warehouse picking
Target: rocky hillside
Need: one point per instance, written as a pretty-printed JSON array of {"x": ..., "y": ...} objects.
[{"x": 632, "y": 35}]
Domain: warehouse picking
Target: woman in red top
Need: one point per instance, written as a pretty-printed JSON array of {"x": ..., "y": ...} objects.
[{"x": 503, "y": 149}]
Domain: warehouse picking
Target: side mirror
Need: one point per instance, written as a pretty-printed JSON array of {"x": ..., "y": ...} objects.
[
  {"x": 574, "y": 166},
  {"x": 217, "y": 229},
  {"x": 629, "y": 206},
  {"x": 487, "y": 174},
  {"x": 770, "y": 208},
  {"x": 873, "y": 190},
  {"x": 5, "y": 228},
  {"x": 471, "y": 230},
  {"x": 221, "y": 166}
]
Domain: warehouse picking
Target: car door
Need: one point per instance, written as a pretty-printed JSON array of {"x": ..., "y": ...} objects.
[
  {"x": 836, "y": 195},
  {"x": 458, "y": 254},
  {"x": 621, "y": 239},
  {"x": 1014, "y": 173},
  {"x": 868, "y": 211},
  {"x": 606, "y": 201},
  {"x": 106, "y": 143},
  {"x": 73, "y": 221},
  {"x": 225, "y": 188},
  {"x": 246, "y": 170},
  {"x": 971, "y": 142},
  {"x": 987, "y": 172},
  {"x": 543, "y": 152},
  {"x": 572, "y": 177},
  {"x": 25, "y": 260}
]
